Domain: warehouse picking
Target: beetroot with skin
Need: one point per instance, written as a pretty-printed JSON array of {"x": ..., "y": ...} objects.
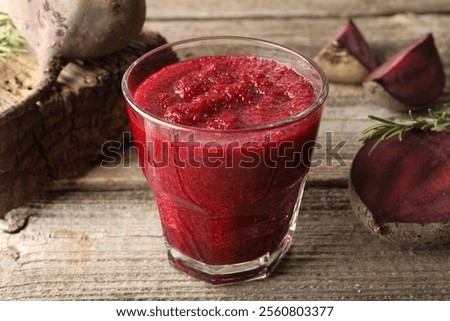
[
  {"x": 347, "y": 58},
  {"x": 59, "y": 31},
  {"x": 351, "y": 38},
  {"x": 414, "y": 76},
  {"x": 401, "y": 191}
]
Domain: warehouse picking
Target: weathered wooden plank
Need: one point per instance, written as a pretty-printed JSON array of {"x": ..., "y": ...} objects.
[
  {"x": 108, "y": 245},
  {"x": 235, "y": 9},
  {"x": 386, "y": 34}
]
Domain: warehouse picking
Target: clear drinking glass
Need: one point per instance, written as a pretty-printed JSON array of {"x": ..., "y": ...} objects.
[{"x": 228, "y": 200}]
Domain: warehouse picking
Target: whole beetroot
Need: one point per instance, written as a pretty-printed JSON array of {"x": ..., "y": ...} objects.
[{"x": 59, "y": 31}]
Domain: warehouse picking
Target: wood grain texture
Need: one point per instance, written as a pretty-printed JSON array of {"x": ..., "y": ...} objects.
[
  {"x": 235, "y": 9},
  {"x": 386, "y": 34},
  {"x": 98, "y": 237},
  {"x": 108, "y": 245}
]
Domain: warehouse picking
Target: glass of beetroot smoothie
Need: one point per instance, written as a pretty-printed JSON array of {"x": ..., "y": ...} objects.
[{"x": 224, "y": 128}]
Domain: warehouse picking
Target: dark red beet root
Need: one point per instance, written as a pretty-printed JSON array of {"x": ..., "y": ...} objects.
[
  {"x": 414, "y": 76},
  {"x": 352, "y": 39},
  {"x": 347, "y": 58},
  {"x": 402, "y": 190}
]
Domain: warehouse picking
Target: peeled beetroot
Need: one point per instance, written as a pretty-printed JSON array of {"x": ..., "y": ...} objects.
[
  {"x": 401, "y": 191},
  {"x": 347, "y": 58},
  {"x": 414, "y": 77},
  {"x": 68, "y": 30}
]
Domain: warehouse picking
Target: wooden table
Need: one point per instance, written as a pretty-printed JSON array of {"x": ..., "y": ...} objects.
[{"x": 99, "y": 237}]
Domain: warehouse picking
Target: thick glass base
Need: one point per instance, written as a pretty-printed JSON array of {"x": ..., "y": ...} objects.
[{"x": 256, "y": 269}]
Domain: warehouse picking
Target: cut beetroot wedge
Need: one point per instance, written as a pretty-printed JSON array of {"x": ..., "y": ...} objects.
[
  {"x": 401, "y": 191},
  {"x": 351, "y": 38},
  {"x": 414, "y": 76},
  {"x": 347, "y": 58}
]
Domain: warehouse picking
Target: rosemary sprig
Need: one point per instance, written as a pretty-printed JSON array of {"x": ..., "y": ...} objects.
[
  {"x": 386, "y": 129},
  {"x": 10, "y": 38}
]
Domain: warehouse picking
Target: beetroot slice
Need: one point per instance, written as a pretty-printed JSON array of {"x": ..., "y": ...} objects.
[
  {"x": 415, "y": 75},
  {"x": 347, "y": 58},
  {"x": 405, "y": 181},
  {"x": 353, "y": 41},
  {"x": 401, "y": 192}
]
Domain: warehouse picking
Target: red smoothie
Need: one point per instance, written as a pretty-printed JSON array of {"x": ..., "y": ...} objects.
[
  {"x": 226, "y": 176},
  {"x": 228, "y": 92}
]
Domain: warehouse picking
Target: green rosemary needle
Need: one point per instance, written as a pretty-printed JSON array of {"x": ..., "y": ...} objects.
[
  {"x": 10, "y": 38},
  {"x": 387, "y": 129}
]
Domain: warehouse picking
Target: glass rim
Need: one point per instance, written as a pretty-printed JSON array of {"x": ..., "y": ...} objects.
[{"x": 319, "y": 101}]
